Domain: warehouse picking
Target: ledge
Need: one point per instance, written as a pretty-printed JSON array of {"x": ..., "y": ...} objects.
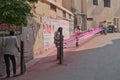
[{"x": 59, "y": 6}]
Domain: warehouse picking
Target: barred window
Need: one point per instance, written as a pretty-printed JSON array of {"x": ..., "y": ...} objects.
[
  {"x": 53, "y": 7},
  {"x": 64, "y": 14},
  {"x": 106, "y": 3},
  {"x": 95, "y": 2},
  {"x": 69, "y": 16}
]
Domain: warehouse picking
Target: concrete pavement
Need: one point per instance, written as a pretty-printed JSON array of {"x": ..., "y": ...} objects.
[{"x": 97, "y": 59}]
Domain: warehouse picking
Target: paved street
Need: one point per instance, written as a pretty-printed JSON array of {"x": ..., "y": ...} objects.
[{"x": 98, "y": 59}]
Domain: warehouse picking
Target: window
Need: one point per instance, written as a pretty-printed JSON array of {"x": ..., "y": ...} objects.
[
  {"x": 64, "y": 14},
  {"x": 95, "y": 2},
  {"x": 106, "y": 3},
  {"x": 90, "y": 19},
  {"x": 53, "y": 7},
  {"x": 69, "y": 16}
]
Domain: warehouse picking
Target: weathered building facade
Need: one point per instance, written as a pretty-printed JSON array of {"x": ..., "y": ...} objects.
[
  {"x": 101, "y": 10},
  {"x": 78, "y": 7},
  {"x": 52, "y": 9},
  {"x": 48, "y": 15},
  {"x": 93, "y": 12}
]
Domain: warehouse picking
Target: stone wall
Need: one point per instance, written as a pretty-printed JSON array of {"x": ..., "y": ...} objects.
[
  {"x": 100, "y": 13},
  {"x": 33, "y": 38},
  {"x": 28, "y": 35},
  {"x": 2, "y": 65}
]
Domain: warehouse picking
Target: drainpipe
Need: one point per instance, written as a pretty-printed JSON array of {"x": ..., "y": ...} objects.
[{"x": 84, "y": 14}]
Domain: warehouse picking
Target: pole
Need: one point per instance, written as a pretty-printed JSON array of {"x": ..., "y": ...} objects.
[
  {"x": 61, "y": 47},
  {"x": 22, "y": 63},
  {"x": 58, "y": 49}
]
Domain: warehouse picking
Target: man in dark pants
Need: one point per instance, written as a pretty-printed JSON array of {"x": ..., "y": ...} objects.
[
  {"x": 7, "y": 58},
  {"x": 10, "y": 46}
]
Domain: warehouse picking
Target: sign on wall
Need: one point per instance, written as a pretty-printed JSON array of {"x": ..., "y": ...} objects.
[{"x": 4, "y": 30}]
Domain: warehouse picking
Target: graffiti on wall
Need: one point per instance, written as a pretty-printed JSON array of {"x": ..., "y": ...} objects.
[
  {"x": 50, "y": 26},
  {"x": 65, "y": 25},
  {"x": 47, "y": 31}
]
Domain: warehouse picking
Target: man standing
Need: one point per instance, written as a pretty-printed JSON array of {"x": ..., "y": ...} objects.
[
  {"x": 77, "y": 33},
  {"x": 10, "y": 46},
  {"x": 105, "y": 26},
  {"x": 57, "y": 41}
]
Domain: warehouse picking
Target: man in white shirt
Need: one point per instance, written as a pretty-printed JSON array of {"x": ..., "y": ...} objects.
[{"x": 10, "y": 47}]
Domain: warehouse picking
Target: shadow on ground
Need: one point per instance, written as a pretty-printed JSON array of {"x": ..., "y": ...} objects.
[{"x": 96, "y": 58}]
